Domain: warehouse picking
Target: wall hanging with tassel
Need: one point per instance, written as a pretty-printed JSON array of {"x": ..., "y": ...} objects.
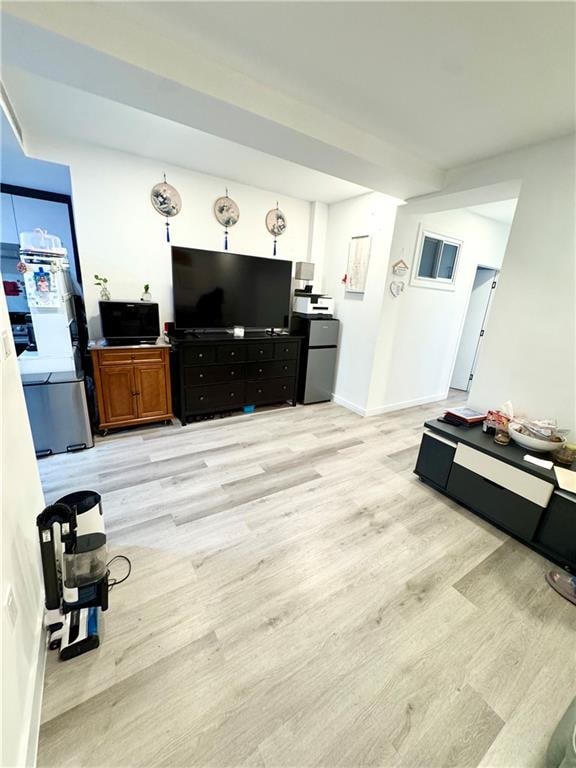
[
  {"x": 275, "y": 224},
  {"x": 167, "y": 201},
  {"x": 227, "y": 214}
]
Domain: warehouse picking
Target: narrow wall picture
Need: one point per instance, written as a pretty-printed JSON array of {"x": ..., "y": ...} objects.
[{"x": 358, "y": 258}]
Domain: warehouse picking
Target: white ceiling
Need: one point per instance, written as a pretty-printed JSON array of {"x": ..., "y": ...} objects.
[
  {"x": 83, "y": 117},
  {"x": 502, "y": 211},
  {"x": 384, "y": 94},
  {"x": 448, "y": 81}
]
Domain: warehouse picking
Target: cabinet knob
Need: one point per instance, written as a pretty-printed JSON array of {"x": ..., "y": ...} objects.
[
  {"x": 259, "y": 370},
  {"x": 286, "y": 349},
  {"x": 259, "y": 391},
  {"x": 200, "y": 354},
  {"x": 232, "y": 373},
  {"x": 260, "y": 351},
  {"x": 231, "y": 394},
  {"x": 201, "y": 376},
  {"x": 284, "y": 386},
  {"x": 201, "y": 397},
  {"x": 285, "y": 367},
  {"x": 232, "y": 354}
]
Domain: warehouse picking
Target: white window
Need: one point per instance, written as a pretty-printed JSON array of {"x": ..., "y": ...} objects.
[{"x": 436, "y": 261}]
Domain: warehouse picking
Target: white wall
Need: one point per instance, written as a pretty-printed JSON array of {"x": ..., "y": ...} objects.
[
  {"x": 420, "y": 330},
  {"x": 121, "y": 237},
  {"x": 529, "y": 354},
  {"x": 359, "y": 314},
  {"x": 22, "y": 501}
]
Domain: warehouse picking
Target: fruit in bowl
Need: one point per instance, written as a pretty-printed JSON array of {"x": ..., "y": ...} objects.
[{"x": 526, "y": 438}]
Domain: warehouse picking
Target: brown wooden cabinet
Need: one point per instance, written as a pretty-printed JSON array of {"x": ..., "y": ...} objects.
[{"x": 132, "y": 385}]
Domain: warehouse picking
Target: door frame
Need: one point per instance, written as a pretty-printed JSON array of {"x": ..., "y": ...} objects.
[
  {"x": 53, "y": 197},
  {"x": 496, "y": 272}
]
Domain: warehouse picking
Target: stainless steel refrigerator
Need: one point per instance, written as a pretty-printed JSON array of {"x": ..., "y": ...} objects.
[{"x": 319, "y": 352}]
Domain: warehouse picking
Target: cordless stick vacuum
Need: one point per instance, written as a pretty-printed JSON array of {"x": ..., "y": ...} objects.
[{"x": 73, "y": 549}]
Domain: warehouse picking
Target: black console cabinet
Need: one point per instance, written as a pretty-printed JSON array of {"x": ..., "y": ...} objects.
[
  {"x": 218, "y": 372},
  {"x": 496, "y": 483}
]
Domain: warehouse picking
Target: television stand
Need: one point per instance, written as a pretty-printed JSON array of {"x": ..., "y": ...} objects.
[{"x": 216, "y": 373}]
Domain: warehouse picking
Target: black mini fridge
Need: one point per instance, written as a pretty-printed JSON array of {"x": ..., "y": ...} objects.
[{"x": 318, "y": 354}]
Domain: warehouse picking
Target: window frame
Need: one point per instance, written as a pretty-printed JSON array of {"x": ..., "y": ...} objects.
[{"x": 439, "y": 283}]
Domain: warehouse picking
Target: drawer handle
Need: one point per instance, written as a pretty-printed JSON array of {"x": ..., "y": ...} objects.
[
  {"x": 285, "y": 367},
  {"x": 231, "y": 394},
  {"x": 259, "y": 370},
  {"x": 200, "y": 354},
  {"x": 286, "y": 349},
  {"x": 201, "y": 397},
  {"x": 260, "y": 351},
  {"x": 232, "y": 373},
  {"x": 201, "y": 376},
  {"x": 284, "y": 386},
  {"x": 259, "y": 391},
  {"x": 232, "y": 354}
]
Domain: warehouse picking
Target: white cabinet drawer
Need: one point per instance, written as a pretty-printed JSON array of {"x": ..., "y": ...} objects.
[{"x": 521, "y": 483}]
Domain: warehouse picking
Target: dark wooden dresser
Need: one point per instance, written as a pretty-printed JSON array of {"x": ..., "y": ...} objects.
[
  {"x": 218, "y": 372},
  {"x": 495, "y": 482},
  {"x": 132, "y": 384}
]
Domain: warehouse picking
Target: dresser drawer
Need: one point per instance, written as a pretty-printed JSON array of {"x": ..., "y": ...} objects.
[
  {"x": 216, "y": 396},
  {"x": 515, "y": 480},
  {"x": 285, "y": 350},
  {"x": 271, "y": 369},
  {"x": 212, "y": 374},
  {"x": 260, "y": 351},
  {"x": 513, "y": 512},
  {"x": 114, "y": 356},
  {"x": 233, "y": 353},
  {"x": 121, "y": 356},
  {"x": 273, "y": 390},
  {"x": 198, "y": 354}
]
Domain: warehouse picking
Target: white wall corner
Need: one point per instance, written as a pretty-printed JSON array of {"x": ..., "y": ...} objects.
[{"x": 349, "y": 405}]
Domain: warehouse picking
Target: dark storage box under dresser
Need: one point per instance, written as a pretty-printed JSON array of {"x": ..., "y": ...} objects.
[{"x": 220, "y": 372}]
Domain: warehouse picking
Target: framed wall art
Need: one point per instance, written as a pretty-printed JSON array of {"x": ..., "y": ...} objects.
[{"x": 358, "y": 258}]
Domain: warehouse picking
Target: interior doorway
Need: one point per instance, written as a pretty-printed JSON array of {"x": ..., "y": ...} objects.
[{"x": 485, "y": 283}]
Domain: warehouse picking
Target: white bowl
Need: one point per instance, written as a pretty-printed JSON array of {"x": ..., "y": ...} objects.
[{"x": 533, "y": 443}]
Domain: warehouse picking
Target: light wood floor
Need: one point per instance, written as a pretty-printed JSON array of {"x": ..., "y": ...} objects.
[{"x": 299, "y": 598}]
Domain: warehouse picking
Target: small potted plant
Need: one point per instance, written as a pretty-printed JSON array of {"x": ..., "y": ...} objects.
[
  {"x": 102, "y": 283},
  {"x": 146, "y": 296}
]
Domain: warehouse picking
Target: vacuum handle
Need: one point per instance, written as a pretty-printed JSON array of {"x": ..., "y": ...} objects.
[{"x": 49, "y": 569}]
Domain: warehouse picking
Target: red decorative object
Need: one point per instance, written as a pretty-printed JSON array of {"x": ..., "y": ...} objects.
[
  {"x": 11, "y": 288},
  {"x": 344, "y": 279}
]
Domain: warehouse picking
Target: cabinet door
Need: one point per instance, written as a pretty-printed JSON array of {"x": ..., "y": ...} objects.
[
  {"x": 152, "y": 396},
  {"x": 118, "y": 393}
]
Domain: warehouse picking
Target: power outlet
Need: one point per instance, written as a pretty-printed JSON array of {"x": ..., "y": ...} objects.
[{"x": 11, "y": 606}]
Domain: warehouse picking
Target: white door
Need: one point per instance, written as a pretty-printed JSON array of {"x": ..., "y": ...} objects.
[{"x": 473, "y": 329}]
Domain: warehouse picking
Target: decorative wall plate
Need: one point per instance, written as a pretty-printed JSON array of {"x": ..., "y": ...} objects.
[
  {"x": 226, "y": 211},
  {"x": 227, "y": 214},
  {"x": 167, "y": 201},
  {"x": 275, "y": 224}
]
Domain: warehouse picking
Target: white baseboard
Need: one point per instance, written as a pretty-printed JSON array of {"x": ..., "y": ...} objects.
[
  {"x": 38, "y": 689},
  {"x": 405, "y": 404},
  {"x": 347, "y": 404}
]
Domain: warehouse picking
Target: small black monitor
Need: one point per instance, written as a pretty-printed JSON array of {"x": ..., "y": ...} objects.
[{"x": 129, "y": 320}]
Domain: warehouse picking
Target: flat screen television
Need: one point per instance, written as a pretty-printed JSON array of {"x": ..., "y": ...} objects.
[
  {"x": 215, "y": 289},
  {"x": 129, "y": 320}
]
